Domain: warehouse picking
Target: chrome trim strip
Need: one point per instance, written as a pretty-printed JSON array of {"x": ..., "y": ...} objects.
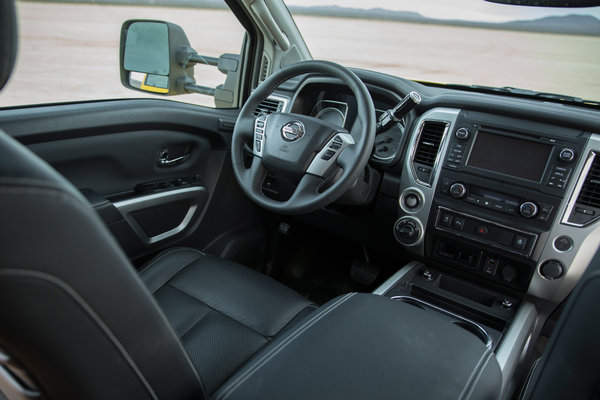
[
  {"x": 488, "y": 339},
  {"x": 392, "y": 280},
  {"x": 586, "y": 240},
  {"x": 438, "y": 157},
  {"x": 407, "y": 180},
  {"x": 510, "y": 351},
  {"x": 12, "y": 388},
  {"x": 441, "y": 228},
  {"x": 318, "y": 166},
  {"x": 284, "y": 100},
  {"x": 586, "y": 169},
  {"x": 195, "y": 195}
]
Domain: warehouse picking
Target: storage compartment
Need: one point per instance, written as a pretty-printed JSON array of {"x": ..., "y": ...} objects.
[{"x": 362, "y": 346}]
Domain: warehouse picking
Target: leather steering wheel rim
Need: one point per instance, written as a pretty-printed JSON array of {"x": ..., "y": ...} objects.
[{"x": 350, "y": 161}]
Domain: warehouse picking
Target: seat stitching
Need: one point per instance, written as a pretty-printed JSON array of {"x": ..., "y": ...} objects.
[
  {"x": 216, "y": 310},
  {"x": 195, "y": 323},
  {"x": 280, "y": 346},
  {"x": 89, "y": 311},
  {"x": 166, "y": 253}
]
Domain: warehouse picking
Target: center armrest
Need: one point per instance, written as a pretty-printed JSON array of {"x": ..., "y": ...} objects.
[{"x": 361, "y": 346}]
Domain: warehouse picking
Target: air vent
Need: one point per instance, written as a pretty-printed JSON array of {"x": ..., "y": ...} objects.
[
  {"x": 590, "y": 191},
  {"x": 587, "y": 206},
  {"x": 269, "y": 106},
  {"x": 429, "y": 142},
  {"x": 265, "y": 68}
]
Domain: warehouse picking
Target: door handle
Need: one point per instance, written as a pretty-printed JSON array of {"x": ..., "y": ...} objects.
[{"x": 163, "y": 159}]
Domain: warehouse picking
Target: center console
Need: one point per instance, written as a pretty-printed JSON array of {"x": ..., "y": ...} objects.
[{"x": 500, "y": 214}]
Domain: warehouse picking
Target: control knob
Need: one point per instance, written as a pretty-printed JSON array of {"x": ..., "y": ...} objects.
[
  {"x": 551, "y": 269},
  {"x": 566, "y": 154},
  {"x": 528, "y": 209},
  {"x": 407, "y": 231},
  {"x": 458, "y": 190},
  {"x": 462, "y": 134}
]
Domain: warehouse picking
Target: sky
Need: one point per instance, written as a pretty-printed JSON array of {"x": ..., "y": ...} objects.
[{"x": 473, "y": 10}]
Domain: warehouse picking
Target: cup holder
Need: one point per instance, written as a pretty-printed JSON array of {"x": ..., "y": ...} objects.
[{"x": 457, "y": 320}]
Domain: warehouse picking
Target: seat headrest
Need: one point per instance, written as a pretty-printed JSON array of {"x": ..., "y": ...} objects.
[{"x": 8, "y": 39}]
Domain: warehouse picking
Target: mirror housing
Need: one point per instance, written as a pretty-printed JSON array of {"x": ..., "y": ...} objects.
[{"x": 154, "y": 57}]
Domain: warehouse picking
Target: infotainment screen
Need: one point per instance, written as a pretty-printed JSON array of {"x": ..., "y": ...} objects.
[{"x": 510, "y": 156}]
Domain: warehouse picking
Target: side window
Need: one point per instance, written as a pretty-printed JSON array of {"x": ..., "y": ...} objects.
[{"x": 70, "y": 51}]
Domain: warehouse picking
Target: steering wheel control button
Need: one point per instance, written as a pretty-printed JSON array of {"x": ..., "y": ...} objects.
[
  {"x": 551, "y": 270},
  {"x": 259, "y": 134},
  {"x": 458, "y": 190},
  {"x": 563, "y": 243},
  {"x": 462, "y": 134},
  {"x": 408, "y": 231},
  {"x": 528, "y": 209},
  {"x": 327, "y": 155},
  {"x": 567, "y": 154}
]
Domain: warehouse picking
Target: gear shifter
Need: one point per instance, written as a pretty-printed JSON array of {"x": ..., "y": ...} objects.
[{"x": 395, "y": 114}]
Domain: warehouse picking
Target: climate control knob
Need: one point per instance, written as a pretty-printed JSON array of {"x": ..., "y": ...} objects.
[
  {"x": 566, "y": 154},
  {"x": 528, "y": 209},
  {"x": 458, "y": 190}
]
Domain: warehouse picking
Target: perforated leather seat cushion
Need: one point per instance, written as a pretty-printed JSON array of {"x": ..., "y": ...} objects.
[{"x": 222, "y": 312}]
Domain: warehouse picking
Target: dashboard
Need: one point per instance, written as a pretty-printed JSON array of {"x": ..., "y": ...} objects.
[{"x": 501, "y": 191}]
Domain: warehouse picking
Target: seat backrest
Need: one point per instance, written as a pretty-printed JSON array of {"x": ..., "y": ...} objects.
[
  {"x": 73, "y": 312},
  {"x": 569, "y": 367}
]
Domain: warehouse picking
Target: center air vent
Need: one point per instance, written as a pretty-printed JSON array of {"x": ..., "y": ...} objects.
[
  {"x": 269, "y": 106},
  {"x": 428, "y": 146},
  {"x": 587, "y": 205}
]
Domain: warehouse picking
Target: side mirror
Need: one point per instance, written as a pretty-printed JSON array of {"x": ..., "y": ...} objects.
[{"x": 153, "y": 57}]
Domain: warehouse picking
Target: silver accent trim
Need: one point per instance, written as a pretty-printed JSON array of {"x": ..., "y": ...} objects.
[
  {"x": 392, "y": 280},
  {"x": 263, "y": 140},
  {"x": 573, "y": 200},
  {"x": 561, "y": 251},
  {"x": 196, "y": 196},
  {"x": 508, "y": 352},
  {"x": 344, "y": 113},
  {"x": 420, "y": 226},
  {"x": 439, "y": 157},
  {"x": 586, "y": 240},
  {"x": 318, "y": 166},
  {"x": 457, "y": 233},
  {"x": 408, "y": 180},
  {"x": 411, "y": 190},
  {"x": 283, "y": 100},
  {"x": 486, "y": 336}
]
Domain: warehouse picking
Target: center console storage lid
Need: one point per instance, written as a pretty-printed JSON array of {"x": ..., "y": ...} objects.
[{"x": 365, "y": 346}]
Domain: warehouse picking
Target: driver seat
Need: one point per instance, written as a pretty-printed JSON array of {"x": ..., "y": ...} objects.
[{"x": 78, "y": 322}]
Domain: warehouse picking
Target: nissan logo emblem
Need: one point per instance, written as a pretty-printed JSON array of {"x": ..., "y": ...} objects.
[{"x": 292, "y": 131}]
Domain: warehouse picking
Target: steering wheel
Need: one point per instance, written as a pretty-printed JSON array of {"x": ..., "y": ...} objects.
[{"x": 307, "y": 150}]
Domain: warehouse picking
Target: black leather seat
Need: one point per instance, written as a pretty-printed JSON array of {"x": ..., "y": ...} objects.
[
  {"x": 221, "y": 311},
  {"x": 79, "y": 320}
]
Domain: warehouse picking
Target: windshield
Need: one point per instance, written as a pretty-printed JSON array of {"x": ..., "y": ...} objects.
[{"x": 470, "y": 42}]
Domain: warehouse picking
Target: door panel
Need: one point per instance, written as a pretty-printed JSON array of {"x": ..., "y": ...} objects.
[{"x": 149, "y": 167}]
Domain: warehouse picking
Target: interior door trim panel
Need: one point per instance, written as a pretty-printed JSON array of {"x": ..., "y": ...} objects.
[{"x": 196, "y": 197}]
